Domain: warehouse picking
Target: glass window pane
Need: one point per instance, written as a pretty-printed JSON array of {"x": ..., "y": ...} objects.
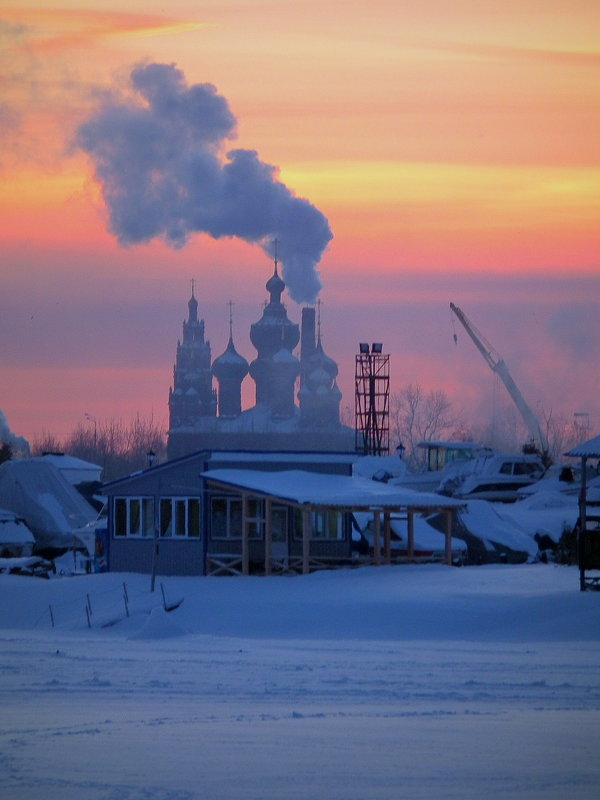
[
  {"x": 166, "y": 510},
  {"x": 134, "y": 517},
  {"x": 218, "y": 517},
  {"x": 235, "y": 519},
  {"x": 148, "y": 516},
  {"x": 279, "y": 524},
  {"x": 254, "y": 530},
  {"x": 193, "y": 517},
  {"x": 120, "y": 516},
  {"x": 180, "y": 517},
  {"x": 297, "y": 523}
]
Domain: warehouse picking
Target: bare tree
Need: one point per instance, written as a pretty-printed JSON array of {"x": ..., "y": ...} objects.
[
  {"x": 46, "y": 442},
  {"x": 417, "y": 415},
  {"x": 120, "y": 448}
]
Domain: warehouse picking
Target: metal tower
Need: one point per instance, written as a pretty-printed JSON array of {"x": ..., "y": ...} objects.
[{"x": 372, "y": 400}]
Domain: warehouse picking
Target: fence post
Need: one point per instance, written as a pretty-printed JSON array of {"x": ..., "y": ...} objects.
[{"x": 125, "y": 599}]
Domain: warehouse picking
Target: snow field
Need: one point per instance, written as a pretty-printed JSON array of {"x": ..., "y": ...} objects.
[{"x": 397, "y": 682}]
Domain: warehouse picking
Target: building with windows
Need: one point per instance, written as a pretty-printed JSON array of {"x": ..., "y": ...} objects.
[
  {"x": 202, "y": 416},
  {"x": 236, "y": 512}
]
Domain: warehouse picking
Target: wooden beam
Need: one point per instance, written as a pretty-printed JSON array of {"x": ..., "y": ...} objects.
[
  {"x": 306, "y": 532},
  {"x": 377, "y": 537},
  {"x": 268, "y": 534},
  {"x": 410, "y": 530},
  {"x": 448, "y": 533},
  {"x": 245, "y": 536},
  {"x": 387, "y": 537},
  {"x": 582, "y": 524}
]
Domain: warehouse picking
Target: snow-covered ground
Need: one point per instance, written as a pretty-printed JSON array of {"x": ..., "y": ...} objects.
[{"x": 393, "y": 682}]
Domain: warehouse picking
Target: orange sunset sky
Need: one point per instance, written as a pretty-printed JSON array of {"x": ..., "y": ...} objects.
[{"x": 454, "y": 147}]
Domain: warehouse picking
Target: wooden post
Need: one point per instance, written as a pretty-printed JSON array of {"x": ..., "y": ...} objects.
[
  {"x": 387, "y": 535},
  {"x": 245, "y": 532},
  {"x": 306, "y": 532},
  {"x": 410, "y": 530},
  {"x": 376, "y": 537},
  {"x": 582, "y": 524},
  {"x": 448, "y": 532},
  {"x": 268, "y": 534}
]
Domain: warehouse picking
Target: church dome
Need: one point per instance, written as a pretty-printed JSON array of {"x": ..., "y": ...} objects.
[
  {"x": 320, "y": 361},
  {"x": 275, "y": 286},
  {"x": 286, "y": 363},
  {"x": 274, "y": 330},
  {"x": 230, "y": 364}
]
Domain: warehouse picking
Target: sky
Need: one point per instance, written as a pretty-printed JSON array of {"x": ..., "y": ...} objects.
[{"x": 448, "y": 152}]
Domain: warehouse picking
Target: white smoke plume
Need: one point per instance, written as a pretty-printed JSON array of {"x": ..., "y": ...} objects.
[
  {"x": 18, "y": 443},
  {"x": 160, "y": 158}
]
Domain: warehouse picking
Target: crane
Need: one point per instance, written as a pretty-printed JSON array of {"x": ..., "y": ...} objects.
[{"x": 497, "y": 365}]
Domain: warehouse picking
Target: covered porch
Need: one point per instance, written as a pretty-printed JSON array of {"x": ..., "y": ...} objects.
[{"x": 317, "y": 532}]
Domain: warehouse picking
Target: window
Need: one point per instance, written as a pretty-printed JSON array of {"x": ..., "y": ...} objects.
[
  {"x": 180, "y": 517},
  {"x": 527, "y": 468},
  {"x": 279, "y": 517},
  {"x": 226, "y": 518},
  {"x": 256, "y": 518},
  {"x": 325, "y": 525},
  {"x": 134, "y": 516}
]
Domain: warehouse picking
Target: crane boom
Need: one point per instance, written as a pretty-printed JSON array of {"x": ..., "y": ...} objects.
[{"x": 497, "y": 365}]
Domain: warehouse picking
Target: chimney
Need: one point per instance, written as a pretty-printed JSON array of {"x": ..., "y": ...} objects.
[{"x": 307, "y": 336}]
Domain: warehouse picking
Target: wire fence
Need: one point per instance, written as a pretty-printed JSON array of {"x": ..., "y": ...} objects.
[{"x": 103, "y": 609}]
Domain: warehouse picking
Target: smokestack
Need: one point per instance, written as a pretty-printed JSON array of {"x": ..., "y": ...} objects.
[
  {"x": 307, "y": 337},
  {"x": 158, "y": 156}
]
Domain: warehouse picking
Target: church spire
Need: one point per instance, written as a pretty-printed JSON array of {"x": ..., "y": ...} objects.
[{"x": 193, "y": 305}]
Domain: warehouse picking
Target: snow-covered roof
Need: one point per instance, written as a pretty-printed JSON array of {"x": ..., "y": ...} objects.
[
  {"x": 589, "y": 449},
  {"x": 341, "y": 491},
  {"x": 75, "y": 470},
  {"x": 13, "y": 530},
  {"x": 37, "y": 491}
]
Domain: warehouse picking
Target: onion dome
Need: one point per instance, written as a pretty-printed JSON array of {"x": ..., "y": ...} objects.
[
  {"x": 230, "y": 364},
  {"x": 319, "y": 380},
  {"x": 274, "y": 329},
  {"x": 287, "y": 363},
  {"x": 275, "y": 286},
  {"x": 320, "y": 361}
]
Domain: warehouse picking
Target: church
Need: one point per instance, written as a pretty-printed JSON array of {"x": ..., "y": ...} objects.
[{"x": 202, "y": 417}]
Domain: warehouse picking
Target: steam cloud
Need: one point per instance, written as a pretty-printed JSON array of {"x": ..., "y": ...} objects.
[
  {"x": 159, "y": 160},
  {"x": 18, "y": 443}
]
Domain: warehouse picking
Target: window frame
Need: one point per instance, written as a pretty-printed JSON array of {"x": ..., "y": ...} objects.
[
  {"x": 257, "y": 519},
  {"x": 315, "y": 516},
  {"x": 173, "y": 523},
  {"x": 146, "y": 516}
]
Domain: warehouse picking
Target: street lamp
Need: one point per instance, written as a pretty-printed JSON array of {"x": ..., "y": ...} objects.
[{"x": 150, "y": 455}]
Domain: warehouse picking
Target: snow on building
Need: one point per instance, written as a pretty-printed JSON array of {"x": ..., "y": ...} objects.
[
  {"x": 231, "y": 512},
  {"x": 202, "y": 417},
  {"x": 75, "y": 470},
  {"x": 36, "y": 491},
  {"x": 15, "y": 537}
]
